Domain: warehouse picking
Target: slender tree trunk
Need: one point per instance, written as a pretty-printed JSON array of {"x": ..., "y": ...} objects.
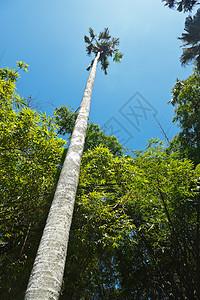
[
  {"x": 47, "y": 274},
  {"x": 197, "y": 248}
]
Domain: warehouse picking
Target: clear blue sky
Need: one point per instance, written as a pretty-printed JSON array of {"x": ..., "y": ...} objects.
[{"x": 48, "y": 35}]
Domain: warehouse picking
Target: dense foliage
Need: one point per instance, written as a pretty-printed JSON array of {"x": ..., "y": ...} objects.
[
  {"x": 135, "y": 231},
  {"x": 185, "y": 99},
  {"x": 29, "y": 162}
]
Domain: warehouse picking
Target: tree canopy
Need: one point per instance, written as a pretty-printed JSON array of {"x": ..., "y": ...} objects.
[
  {"x": 104, "y": 44},
  {"x": 135, "y": 228},
  {"x": 135, "y": 232},
  {"x": 30, "y": 159},
  {"x": 185, "y": 99}
]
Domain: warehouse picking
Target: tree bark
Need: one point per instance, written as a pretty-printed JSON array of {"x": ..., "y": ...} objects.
[{"x": 47, "y": 274}]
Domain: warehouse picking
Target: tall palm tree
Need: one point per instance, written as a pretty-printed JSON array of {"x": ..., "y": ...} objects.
[
  {"x": 47, "y": 273},
  {"x": 191, "y": 40}
]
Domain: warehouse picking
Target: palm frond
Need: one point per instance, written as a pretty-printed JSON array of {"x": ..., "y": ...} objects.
[
  {"x": 87, "y": 40},
  {"x": 170, "y": 3},
  {"x": 189, "y": 54},
  {"x": 191, "y": 40},
  {"x": 104, "y": 35},
  {"x": 115, "y": 41},
  {"x": 89, "y": 49},
  {"x": 91, "y": 31},
  {"x": 181, "y": 5},
  {"x": 104, "y": 66},
  {"x": 118, "y": 56},
  {"x": 192, "y": 28}
]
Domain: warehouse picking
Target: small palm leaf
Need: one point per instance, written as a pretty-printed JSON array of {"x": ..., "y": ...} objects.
[
  {"x": 89, "y": 49},
  {"x": 91, "y": 31},
  {"x": 115, "y": 41},
  {"x": 87, "y": 40},
  {"x": 189, "y": 54},
  {"x": 104, "y": 65},
  {"x": 118, "y": 56}
]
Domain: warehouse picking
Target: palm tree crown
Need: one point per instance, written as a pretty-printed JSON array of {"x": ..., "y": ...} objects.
[
  {"x": 191, "y": 39},
  {"x": 105, "y": 45}
]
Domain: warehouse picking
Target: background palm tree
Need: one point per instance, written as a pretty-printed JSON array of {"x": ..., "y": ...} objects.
[
  {"x": 191, "y": 40},
  {"x": 46, "y": 277}
]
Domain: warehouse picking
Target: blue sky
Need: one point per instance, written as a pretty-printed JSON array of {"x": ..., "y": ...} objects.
[{"x": 48, "y": 35}]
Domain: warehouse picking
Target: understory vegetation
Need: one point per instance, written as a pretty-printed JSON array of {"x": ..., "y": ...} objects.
[{"x": 135, "y": 231}]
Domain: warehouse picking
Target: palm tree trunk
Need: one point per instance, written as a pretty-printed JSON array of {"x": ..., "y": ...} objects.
[{"x": 47, "y": 274}]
